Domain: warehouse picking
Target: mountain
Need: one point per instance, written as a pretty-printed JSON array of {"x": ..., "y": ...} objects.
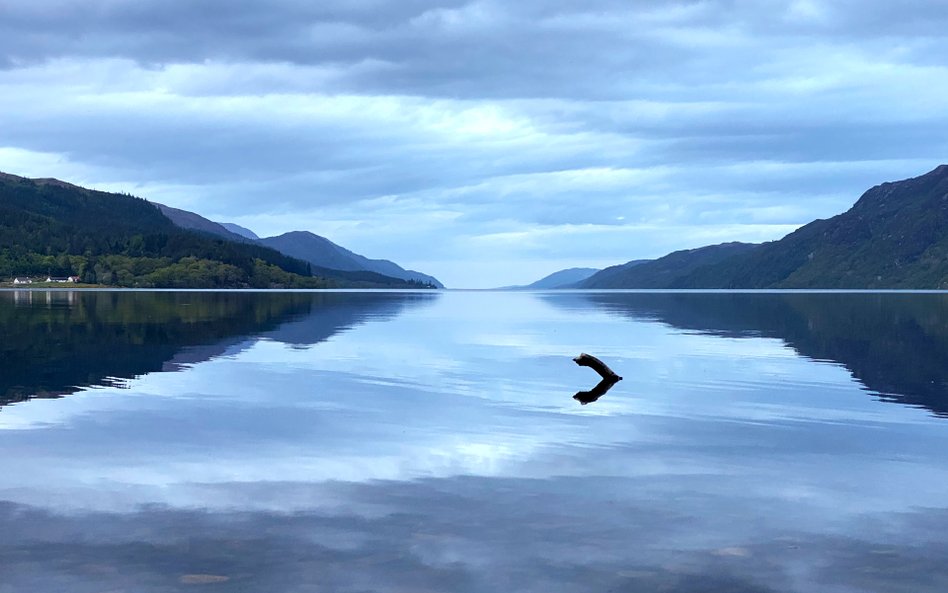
[
  {"x": 664, "y": 272},
  {"x": 563, "y": 279},
  {"x": 196, "y": 222},
  {"x": 321, "y": 252},
  {"x": 239, "y": 230},
  {"x": 326, "y": 257},
  {"x": 606, "y": 274},
  {"x": 895, "y": 236},
  {"x": 50, "y": 227}
]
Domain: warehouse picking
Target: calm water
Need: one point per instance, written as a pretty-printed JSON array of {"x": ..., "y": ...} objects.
[{"x": 399, "y": 442}]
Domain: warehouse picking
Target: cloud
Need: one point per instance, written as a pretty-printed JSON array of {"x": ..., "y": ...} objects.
[{"x": 474, "y": 117}]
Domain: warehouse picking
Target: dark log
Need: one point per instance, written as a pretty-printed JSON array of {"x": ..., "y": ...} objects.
[{"x": 587, "y": 360}]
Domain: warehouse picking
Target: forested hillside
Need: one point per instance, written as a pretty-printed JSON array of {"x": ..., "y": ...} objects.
[
  {"x": 48, "y": 227},
  {"x": 663, "y": 272},
  {"x": 895, "y": 236}
]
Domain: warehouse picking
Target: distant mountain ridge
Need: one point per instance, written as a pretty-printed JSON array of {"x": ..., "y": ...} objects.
[
  {"x": 239, "y": 230},
  {"x": 895, "y": 236},
  {"x": 322, "y": 252},
  {"x": 664, "y": 272},
  {"x": 318, "y": 251},
  {"x": 196, "y": 222},
  {"x": 562, "y": 279}
]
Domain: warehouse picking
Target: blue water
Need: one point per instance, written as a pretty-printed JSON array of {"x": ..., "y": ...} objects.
[{"x": 179, "y": 441}]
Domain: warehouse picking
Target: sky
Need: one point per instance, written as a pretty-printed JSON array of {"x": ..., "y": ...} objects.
[{"x": 487, "y": 143}]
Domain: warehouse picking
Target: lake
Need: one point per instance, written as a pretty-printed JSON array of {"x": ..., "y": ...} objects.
[{"x": 430, "y": 441}]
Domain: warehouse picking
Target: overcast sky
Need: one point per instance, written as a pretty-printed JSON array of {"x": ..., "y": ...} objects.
[{"x": 484, "y": 142}]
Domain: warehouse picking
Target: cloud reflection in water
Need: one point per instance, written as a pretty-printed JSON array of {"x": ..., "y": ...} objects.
[{"x": 436, "y": 447}]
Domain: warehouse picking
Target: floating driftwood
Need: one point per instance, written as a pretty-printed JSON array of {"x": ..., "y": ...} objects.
[
  {"x": 609, "y": 378},
  {"x": 588, "y": 360}
]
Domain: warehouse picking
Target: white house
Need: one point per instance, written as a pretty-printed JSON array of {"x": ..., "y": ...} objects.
[{"x": 23, "y": 281}]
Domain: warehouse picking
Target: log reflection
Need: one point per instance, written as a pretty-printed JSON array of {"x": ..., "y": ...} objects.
[{"x": 587, "y": 397}]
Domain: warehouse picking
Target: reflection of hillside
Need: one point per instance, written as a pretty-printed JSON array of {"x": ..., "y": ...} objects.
[
  {"x": 334, "y": 312},
  {"x": 56, "y": 342},
  {"x": 894, "y": 344}
]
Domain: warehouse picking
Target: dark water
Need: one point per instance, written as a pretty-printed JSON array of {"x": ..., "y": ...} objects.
[{"x": 401, "y": 442}]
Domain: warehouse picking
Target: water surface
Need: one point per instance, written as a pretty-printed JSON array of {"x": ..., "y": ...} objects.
[{"x": 178, "y": 441}]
